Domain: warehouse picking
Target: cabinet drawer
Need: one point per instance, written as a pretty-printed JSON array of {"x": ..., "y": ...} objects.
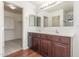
[
  {"x": 65, "y": 40},
  {"x": 43, "y": 36},
  {"x": 56, "y": 38},
  {"x": 49, "y": 36},
  {"x": 53, "y": 37},
  {"x": 38, "y": 35},
  {"x": 35, "y": 35}
]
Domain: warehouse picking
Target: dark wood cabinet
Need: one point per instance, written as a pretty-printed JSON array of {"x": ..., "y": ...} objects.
[
  {"x": 35, "y": 44},
  {"x": 50, "y": 45},
  {"x": 45, "y": 47},
  {"x": 61, "y": 50}
]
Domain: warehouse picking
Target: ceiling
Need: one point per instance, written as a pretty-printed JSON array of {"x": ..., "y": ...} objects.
[
  {"x": 17, "y": 10},
  {"x": 41, "y": 3},
  {"x": 37, "y": 3},
  {"x": 67, "y": 6},
  {"x": 50, "y": 6}
]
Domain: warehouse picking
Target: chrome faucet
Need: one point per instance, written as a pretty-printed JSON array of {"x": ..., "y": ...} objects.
[
  {"x": 57, "y": 31},
  {"x": 39, "y": 30}
]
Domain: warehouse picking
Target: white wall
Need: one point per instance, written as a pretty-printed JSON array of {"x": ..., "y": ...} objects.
[
  {"x": 1, "y": 29},
  {"x": 28, "y": 9},
  {"x": 76, "y": 26}
]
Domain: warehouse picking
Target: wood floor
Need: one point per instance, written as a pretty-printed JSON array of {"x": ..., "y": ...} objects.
[{"x": 25, "y": 53}]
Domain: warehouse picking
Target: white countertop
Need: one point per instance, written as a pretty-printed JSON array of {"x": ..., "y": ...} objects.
[{"x": 51, "y": 33}]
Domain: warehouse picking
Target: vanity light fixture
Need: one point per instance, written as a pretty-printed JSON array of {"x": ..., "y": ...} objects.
[
  {"x": 48, "y": 4},
  {"x": 11, "y": 6}
]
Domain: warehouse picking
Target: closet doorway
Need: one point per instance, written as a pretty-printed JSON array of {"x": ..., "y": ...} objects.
[{"x": 13, "y": 28}]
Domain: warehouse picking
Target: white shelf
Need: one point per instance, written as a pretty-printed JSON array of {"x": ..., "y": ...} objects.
[{"x": 9, "y": 28}]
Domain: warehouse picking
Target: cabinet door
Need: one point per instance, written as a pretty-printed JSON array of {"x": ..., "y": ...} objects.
[
  {"x": 29, "y": 40},
  {"x": 34, "y": 43},
  {"x": 52, "y": 49},
  {"x": 38, "y": 45},
  {"x": 45, "y": 47},
  {"x": 61, "y": 50}
]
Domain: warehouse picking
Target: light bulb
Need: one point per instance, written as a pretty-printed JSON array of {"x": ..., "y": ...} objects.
[{"x": 12, "y": 7}]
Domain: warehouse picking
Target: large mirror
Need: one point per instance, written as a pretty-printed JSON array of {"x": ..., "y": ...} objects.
[
  {"x": 59, "y": 15},
  {"x": 38, "y": 21},
  {"x": 68, "y": 18},
  {"x": 34, "y": 21},
  {"x": 45, "y": 21},
  {"x": 55, "y": 21},
  {"x": 31, "y": 20}
]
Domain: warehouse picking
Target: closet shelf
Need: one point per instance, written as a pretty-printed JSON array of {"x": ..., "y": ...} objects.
[
  {"x": 9, "y": 29},
  {"x": 9, "y": 16}
]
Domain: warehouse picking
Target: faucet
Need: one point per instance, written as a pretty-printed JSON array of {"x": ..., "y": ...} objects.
[
  {"x": 57, "y": 31},
  {"x": 39, "y": 30}
]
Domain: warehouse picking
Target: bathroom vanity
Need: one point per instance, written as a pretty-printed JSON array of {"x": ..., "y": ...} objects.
[
  {"x": 53, "y": 36},
  {"x": 50, "y": 45}
]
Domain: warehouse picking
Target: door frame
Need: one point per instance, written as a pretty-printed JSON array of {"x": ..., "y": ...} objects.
[{"x": 22, "y": 22}]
